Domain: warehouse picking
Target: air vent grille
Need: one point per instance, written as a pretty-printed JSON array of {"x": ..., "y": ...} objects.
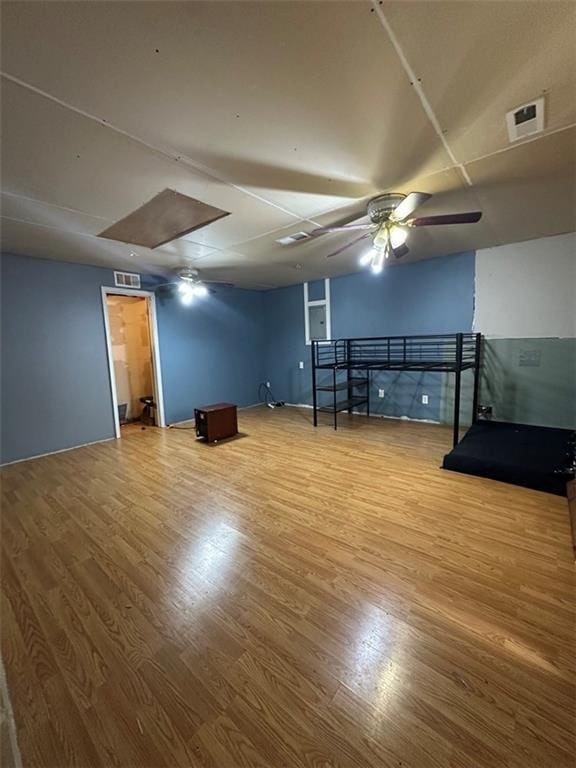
[
  {"x": 126, "y": 280},
  {"x": 295, "y": 238},
  {"x": 526, "y": 120}
]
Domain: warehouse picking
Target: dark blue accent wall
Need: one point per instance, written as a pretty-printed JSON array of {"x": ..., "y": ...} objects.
[
  {"x": 431, "y": 296},
  {"x": 55, "y": 390}
]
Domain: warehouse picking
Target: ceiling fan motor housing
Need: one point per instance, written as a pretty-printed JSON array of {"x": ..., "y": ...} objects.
[
  {"x": 380, "y": 208},
  {"x": 187, "y": 273}
]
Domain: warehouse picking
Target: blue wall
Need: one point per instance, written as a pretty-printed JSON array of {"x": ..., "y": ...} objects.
[
  {"x": 55, "y": 391},
  {"x": 55, "y": 387},
  {"x": 212, "y": 351},
  {"x": 431, "y": 296}
]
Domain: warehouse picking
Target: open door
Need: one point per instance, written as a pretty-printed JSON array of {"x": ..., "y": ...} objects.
[{"x": 133, "y": 358}]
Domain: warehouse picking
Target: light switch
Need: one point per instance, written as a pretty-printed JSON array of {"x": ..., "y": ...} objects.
[{"x": 301, "y": 364}]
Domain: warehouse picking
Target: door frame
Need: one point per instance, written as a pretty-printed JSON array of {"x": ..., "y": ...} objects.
[{"x": 154, "y": 347}]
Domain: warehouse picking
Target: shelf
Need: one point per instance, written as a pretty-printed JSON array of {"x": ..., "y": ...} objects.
[
  {"x": 353, "y": 382},
  {"x": 344, "y": 405}
]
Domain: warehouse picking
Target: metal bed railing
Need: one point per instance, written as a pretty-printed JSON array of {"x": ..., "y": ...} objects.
[{"x": 449, "y": 352}]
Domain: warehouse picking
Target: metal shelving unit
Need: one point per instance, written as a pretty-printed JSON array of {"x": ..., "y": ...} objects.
[{"x": 356, "y": 358}]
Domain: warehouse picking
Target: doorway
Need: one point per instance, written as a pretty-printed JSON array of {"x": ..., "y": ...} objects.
[{"x": 133, "y": 359}]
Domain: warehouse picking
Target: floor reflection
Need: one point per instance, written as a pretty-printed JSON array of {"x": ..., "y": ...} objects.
[
  {"x": 379, "y": 643},
  {"x": 207, "y": 565}
]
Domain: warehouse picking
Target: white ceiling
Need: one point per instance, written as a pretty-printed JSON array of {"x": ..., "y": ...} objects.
[{"x": 287, "y": 115}]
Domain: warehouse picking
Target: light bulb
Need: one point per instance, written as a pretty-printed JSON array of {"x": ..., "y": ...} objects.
[
  {"x": 398, "y": 236},
  {"x": 186, "y": 292},
  {"x": 199, "y": 290},
  {"x": 378, "y": 261},
  {"x": 381, "y": 238},
  {"x": 367, "y": 257}
]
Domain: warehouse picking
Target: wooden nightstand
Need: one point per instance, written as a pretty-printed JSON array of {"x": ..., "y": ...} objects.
[{"x": 216, "y": 422}]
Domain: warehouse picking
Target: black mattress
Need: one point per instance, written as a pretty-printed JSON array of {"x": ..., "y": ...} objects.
[{"x": 541, "y": 458}]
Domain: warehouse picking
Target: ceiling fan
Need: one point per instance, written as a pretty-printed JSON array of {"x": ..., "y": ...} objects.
[
  {"x": 188, "y": 284},
  {"x": 389, "y": 223}
]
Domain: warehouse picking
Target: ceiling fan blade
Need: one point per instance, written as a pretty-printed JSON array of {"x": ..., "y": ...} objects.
[
  {"x": 162, "y": 286},
  {"x": 221, "y": 283},
  {"x": 402, "y": 250},
  {"x": 351, "y": 227},
  {"x": 348, "y": 245},
  {"x": 449, "y": 218},
  {"x": 412, "y": 201}
]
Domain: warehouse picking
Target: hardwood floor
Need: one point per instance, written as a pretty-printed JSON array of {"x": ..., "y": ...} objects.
[{"x": 296, "y": 597}]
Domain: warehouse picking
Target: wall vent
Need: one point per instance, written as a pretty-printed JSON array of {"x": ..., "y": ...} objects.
[
  {"x": 126, "y": 280},
  {"x": 526, "y": 120},
  {"x": 295, "y": 238}
]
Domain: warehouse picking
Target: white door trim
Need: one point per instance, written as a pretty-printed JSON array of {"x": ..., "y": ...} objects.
[{"x": 156, "y": 370}]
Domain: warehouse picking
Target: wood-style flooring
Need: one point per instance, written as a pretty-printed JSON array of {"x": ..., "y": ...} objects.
[{"x": 294, "y": 598}]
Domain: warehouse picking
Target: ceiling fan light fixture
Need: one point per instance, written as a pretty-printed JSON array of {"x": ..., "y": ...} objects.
[
  {"x": 366, "y": 257},
  {"x": 199, "y": 289},
  {"x": 381, "y": 239},
  {"x": 378, "y": 261},
  {"x": 398, "y": 236},
  {"x": 186, "y": 292}
]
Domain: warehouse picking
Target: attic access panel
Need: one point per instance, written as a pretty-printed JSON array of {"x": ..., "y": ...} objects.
[{"x": 167, "y": 216}]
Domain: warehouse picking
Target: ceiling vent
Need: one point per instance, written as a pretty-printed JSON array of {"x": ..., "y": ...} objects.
[
  {"x": 295, "y": 238},
  {"x": 526, "y": 120},
  {"x": 126, "y": 280}
]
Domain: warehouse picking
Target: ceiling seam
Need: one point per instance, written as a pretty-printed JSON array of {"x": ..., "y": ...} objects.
[
  {"x": 54, "y": 205},
  {"x": 518, "y": 144},
  {"x": 52, "y": 226},
  {"x": 131, "y": 248},
  {"x": 80, "y": 212},
  {"x": 148, "y": 269},
  {"x": 236, "y": 245},
  {"x": 165, "y": 152},
  {"x": 416, "y": 83}
]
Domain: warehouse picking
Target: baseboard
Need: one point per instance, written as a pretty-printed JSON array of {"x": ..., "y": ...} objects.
[
  {"x": 374, "y": 415},
  {"x": 53, "y": 453}
]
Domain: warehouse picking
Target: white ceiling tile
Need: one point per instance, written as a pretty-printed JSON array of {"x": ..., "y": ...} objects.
[{"x": 478, "y": 60}]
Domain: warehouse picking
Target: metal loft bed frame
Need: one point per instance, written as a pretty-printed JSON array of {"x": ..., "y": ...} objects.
[{"x": 444, "y": 353}]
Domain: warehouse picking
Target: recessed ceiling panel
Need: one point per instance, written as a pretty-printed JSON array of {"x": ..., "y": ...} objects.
[{"x": 167, "y": 216}]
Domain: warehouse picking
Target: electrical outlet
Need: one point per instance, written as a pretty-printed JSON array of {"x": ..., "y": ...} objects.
[
  {"x": 424, "y": 399},
  {"x": 301, "y": 364},
  {"x": 380, "y": 393}
]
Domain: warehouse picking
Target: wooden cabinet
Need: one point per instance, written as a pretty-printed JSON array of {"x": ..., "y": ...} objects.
[{"x": 216, "y": 422}]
